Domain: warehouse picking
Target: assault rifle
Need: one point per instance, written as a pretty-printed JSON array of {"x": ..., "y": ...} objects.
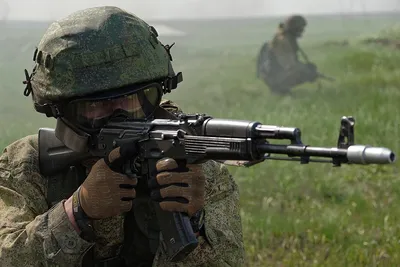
[{"x": 192, "y": 139}]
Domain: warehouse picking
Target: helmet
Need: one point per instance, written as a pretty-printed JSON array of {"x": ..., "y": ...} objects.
[
  {"x": 294, "y": 24},
  {"x": 96, "y": 50},
  {"x": 97, "y": 64}
]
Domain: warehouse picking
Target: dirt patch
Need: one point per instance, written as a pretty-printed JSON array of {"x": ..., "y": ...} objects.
[{"x": 392, "y": 43}]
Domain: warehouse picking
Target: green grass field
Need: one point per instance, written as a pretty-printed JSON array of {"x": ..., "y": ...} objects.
[{"x": 293, "y": 215}]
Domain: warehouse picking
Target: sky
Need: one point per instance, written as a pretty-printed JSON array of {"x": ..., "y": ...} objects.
[{"x": 177, "y": 9}]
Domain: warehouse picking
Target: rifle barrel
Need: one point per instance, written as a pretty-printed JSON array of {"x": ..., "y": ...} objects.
[
  {"x": 356, "y": 154},
  {"x": 360, "y": 154}
]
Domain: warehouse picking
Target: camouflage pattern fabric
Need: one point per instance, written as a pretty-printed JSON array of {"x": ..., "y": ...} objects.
[
  {"x": 33, "y": 235},
  {"x": 95, "y": 50},
  {"x": 170, "y": 106}
]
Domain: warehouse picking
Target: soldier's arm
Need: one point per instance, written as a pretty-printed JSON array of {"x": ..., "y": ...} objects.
[
  {"x": 30, "y": 234},
  {"x": 286, "y": 56},
  {"x": 222, "y": 243},
  {"x": 285, "y": 53}
]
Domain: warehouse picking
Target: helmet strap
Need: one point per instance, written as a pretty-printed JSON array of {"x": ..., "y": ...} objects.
[{"x": 50, "y": 110}]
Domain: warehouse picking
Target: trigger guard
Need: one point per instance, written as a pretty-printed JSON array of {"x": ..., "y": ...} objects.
[{"x": 130, "y": 169}]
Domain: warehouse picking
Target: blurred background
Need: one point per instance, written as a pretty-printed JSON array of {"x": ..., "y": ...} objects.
[{"x": 292, "y": 214}]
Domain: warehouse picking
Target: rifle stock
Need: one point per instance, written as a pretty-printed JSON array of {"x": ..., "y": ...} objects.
[{"x": 196, "y": 139}]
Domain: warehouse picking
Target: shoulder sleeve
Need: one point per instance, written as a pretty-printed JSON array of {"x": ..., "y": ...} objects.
[
  {"x": 31, "y": 234},
  {"x": 285, "y": 52},
  {"x": 222, "y": 244}
]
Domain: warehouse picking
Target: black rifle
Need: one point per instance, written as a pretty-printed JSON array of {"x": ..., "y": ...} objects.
[{"x": 192, "y": 139}]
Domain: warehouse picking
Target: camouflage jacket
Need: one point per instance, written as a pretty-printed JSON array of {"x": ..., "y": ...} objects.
[
  {"x": 285, "y": 49},
  {"x": 32, "y": 234}
]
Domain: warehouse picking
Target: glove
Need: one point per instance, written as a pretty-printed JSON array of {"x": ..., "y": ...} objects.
[
  {"x": 178, "y": 189},
  {"x": 106, "y": 193}
]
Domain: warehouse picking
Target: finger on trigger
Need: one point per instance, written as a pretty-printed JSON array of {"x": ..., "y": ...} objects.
[
  {"x": 166, "y": 164},
  {"x": 169, "y": 178},
  {"x": 114, "y": 154}
]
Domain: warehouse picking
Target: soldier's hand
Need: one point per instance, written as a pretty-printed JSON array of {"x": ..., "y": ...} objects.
[
  {"x": 106, "y": 193},
  {"x": 177, "y": 189}
]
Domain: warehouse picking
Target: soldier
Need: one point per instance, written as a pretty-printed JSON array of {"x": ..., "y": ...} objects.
[
  {"x": 279, "y": 65},
  {"x": 90, "y": 67}
]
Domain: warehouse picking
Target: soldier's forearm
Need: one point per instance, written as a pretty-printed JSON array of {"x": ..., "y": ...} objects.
[
  {"x": 49, "y": 240},
  {"x": 70, "y": 214}
]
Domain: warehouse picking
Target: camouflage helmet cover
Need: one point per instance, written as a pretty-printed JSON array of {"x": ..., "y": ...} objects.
[
  {"x": 95, "y": 50},
  {"x": 294, "y": 22}
]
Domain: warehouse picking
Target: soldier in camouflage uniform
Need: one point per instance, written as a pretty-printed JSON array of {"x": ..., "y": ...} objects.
[
  {"x": 279, "y": 65},
  {"x": 91, "y": 66}
]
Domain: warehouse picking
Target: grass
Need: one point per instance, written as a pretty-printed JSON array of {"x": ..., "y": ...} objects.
[{"x": 293, "y": 215}]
